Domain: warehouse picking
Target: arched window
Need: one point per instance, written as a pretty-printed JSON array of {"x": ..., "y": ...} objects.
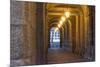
[{"x": 54, "y": 38}]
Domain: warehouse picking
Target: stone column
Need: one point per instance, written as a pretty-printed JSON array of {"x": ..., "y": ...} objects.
[
  {"x": 40, "y": 37},
  {"x": 29, "y": 33}
]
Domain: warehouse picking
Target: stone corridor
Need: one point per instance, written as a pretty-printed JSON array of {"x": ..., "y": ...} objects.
[{"x": 30, "y": 27}]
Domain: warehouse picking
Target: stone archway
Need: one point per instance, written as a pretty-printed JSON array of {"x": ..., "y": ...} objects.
[{"x": 54, "y": 38}]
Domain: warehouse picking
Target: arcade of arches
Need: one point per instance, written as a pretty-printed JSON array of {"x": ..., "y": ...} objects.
[{"x": 33, "y": 42}]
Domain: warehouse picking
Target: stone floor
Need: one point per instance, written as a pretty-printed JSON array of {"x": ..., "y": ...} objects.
[
  {"x": 61, "y": 55},
  {"x": 54, "y": 56}
]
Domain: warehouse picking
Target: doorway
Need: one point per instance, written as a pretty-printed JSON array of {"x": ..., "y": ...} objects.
[{"x": 54, "y": 38}]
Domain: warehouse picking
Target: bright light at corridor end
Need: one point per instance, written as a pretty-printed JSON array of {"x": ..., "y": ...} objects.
[{"x": 67, "y": 14}]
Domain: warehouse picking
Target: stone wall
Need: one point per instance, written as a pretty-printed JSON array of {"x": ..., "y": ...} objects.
[
  {"x": 16, "y": 29},
  {"x": 23, "y": 31}
]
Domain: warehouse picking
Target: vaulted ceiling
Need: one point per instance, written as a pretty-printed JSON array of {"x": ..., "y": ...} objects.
[{"x": 55, "y": 11}]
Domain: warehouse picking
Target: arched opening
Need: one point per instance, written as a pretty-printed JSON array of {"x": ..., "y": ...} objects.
[{"x": 54, "y": 38}]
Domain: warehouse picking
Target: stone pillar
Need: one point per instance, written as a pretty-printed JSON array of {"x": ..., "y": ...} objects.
[
  {"x": 45, "y": 31},
  {"x": 40, "y": 37},
  {"x": 92, "y": 16},
  {"x": 61, "y": 38},
  {"x": 29, "y": 33},
  {"x": 64, "y": 37},
  {"x": 73, "y": 33},
  {"x": 49, "y": 38},
  {"x": 90, "y": 43}
]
